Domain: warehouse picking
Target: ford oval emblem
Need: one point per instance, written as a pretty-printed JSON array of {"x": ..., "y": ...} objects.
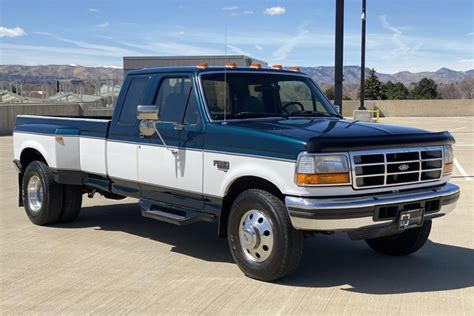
[{"x": 403, "y": 167}]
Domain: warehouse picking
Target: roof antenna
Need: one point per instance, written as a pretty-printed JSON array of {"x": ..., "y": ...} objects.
[{"x": 225, "y": 76}]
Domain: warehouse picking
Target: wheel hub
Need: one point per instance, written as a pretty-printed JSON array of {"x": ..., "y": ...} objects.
[
  {"x": 35, "y": 194},
  {"x": 256, "y": 235}
]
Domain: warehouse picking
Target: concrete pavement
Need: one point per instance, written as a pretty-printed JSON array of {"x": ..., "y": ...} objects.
[{"x": 112, "y": 260}]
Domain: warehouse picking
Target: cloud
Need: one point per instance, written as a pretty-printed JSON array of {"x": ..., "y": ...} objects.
[
  {"x": 287, "y": 47},
  {"x": 467, "y": 61},
  {"x": 105, "y": 24},
  {"x": 402, "y": 46},
  {"x": 231, "y": 8},
  {"x": 14, "y": 32},
  {"x": 93, "y": 10},
  {"x": 258, "y": 47},
  {"x": 247, "y": 12},
  {"x": 237, "y": 50},
  {"x": 274, "y": 11}
]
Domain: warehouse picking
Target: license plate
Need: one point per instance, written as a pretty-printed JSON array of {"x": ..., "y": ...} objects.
[{"x": 412, "y": 218}]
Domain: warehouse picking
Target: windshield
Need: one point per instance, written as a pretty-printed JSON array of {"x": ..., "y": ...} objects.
[{"x": 251, "y": 95}]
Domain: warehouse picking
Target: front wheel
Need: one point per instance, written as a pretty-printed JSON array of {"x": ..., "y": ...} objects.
[
  {"x": 261, "y": 239},
  {"x": 403, "y": 244}
]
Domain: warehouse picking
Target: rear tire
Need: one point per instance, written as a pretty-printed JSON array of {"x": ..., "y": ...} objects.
[
  {"x": 71, "y": 204},
  {"x": 403, "y": 244},
  {"x": 42, "y": 196},
  {"x": 261, "y": 239}
]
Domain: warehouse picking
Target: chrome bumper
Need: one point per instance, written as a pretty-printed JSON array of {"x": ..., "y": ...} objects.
[{"x": 350, "y": 213}]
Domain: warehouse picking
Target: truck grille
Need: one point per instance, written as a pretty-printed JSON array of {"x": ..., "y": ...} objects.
[{"x": 371, "y": 169}]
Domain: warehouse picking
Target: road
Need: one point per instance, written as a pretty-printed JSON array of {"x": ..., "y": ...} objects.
[{"x": 112, "y": 260}]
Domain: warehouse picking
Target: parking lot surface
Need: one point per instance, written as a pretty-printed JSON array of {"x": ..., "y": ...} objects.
[{"x": 113, "y": 260}]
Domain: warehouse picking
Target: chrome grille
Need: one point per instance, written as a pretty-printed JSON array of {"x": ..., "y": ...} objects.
[{"x": 379, "y": 168}]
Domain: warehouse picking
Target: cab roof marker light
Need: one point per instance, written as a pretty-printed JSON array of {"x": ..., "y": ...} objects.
[
  {"x": 295, "y": 69},
  {"x": 202, "y": 66},
  {"x": 256, "y": 66},
  {"x": 277, "y": 67},
  {"x": 231, "y": 65}
]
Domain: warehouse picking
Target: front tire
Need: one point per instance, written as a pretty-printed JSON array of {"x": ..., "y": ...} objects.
[
  {"x": 409, "y": 241},
  {"x": 261, "y": 239},
  {"x": 42, "y": 196}
]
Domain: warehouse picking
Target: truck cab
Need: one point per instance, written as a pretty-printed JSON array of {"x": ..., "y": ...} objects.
[{"x": 259, "y": 151}]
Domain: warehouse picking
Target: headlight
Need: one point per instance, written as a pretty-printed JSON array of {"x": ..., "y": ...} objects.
[
  {"x": 322, "y": 169},
  {"x": 448, "y": 159}
]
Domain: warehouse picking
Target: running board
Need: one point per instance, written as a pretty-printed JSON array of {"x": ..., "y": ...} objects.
[{"x": 189, "y": 217}]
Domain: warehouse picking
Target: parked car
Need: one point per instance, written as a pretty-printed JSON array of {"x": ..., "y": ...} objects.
[{"x": 260, "y": 151}]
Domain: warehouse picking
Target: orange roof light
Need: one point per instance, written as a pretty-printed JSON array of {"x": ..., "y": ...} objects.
[
  {"x": 277, "y": 67},
  {"x": 256, "y": 66},
  {"x": 202, "y": 66},
  {"x": 231, "y": 65},
  {"x": 295, "y": 69}
]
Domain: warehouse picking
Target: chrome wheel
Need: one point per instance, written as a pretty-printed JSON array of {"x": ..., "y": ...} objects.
[
  {"x": 256, "y": 235},
  {"x": 35, "y": 193}
]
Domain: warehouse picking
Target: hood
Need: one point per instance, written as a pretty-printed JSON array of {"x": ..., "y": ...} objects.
[{"x": 332, "y": 134}]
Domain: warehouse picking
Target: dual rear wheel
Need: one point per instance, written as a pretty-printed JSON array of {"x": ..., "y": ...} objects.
[{"x": 46, "y": 201}]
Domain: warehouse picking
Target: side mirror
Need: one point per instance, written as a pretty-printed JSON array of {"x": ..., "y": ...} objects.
[
  {"x": 148, "y": 112},
  {"x": 338, "y": 108}
]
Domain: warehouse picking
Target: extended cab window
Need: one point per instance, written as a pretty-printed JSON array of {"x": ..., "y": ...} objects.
[
  {"x": 133, "y": 98},
  {"x": 253, "y": 95},
  {"x": 172, "y": 97}
]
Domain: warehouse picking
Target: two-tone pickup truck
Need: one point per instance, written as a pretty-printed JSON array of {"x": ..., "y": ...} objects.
[{"x": 260, "y": 151}]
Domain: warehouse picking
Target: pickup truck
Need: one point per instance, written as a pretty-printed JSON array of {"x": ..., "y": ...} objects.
[{"x": 259, "y": 151}]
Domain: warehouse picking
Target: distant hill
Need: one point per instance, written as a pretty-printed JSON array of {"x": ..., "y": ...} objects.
[
  {"x": 325, "y": 75},
  {"x": 48, "y": 73},
  {"x": 322, "y": 75}
]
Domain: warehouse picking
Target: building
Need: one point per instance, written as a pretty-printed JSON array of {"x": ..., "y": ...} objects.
[{"x": 140, "y": 62}]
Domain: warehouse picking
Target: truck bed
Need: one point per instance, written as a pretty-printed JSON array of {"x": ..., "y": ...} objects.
[{"x": 76, "y": 144}]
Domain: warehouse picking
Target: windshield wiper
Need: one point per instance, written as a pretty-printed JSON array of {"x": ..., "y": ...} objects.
[
  {"x": 313, "y": 113},
  {"x": 255, "y": 115}
]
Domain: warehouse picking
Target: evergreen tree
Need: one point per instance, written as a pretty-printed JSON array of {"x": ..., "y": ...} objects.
[
  {"x": 425, "y": 89},
  {"x": 374, "y": 89},
  {"x": 396, "y": 91}
]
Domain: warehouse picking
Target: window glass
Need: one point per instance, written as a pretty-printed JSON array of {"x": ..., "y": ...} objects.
[
  {"x": 191, "y": 117},
  {"x": 134, "y": 96},
  {"x": 262, "y": 95},
  {"x": 171, "y": 98}
]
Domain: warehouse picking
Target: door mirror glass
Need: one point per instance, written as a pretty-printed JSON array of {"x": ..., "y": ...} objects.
[{"x": 148, "y": 112}]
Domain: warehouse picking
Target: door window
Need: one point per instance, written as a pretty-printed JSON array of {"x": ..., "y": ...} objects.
[
  {"x": 134, "y": 96},
  {"x": 172, "y": 97}
]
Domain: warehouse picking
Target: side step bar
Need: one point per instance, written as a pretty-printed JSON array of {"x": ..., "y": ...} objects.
[{"x": 189, "y": 217}]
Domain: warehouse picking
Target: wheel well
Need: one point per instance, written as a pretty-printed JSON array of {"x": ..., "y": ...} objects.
[
  {"x": 238, "y": 186},
  {"x": 28, "y": 155}
]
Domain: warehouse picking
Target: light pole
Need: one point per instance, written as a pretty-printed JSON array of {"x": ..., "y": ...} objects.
[
  {"x": 338, "y": 62},
  {"x": 362, "y": 58}
]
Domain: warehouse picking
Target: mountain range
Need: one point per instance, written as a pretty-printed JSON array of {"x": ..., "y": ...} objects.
[{"x": 322, "y": 74}]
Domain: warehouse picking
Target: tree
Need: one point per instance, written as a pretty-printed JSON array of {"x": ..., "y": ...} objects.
[
  {"x": 396, "y": 91},
  {"x": 330, "y": 92},
  {"x": 374, "y": 89},
  {"x": 425, "y": 89}
]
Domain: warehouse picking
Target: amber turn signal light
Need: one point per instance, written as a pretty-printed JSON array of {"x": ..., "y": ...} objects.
[
  {"x": 231, "y": 65},
  {"x": 323, "y": 178},
  {"x": 448, "y": 168}
]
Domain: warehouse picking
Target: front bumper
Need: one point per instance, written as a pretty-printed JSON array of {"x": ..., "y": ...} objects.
[{"x": 361, "y": 212}]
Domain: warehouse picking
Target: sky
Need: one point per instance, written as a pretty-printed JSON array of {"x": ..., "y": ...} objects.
[{"x": 402, "y": 35}]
